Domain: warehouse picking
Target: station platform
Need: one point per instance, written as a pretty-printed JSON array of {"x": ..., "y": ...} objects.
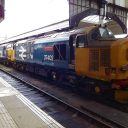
[{"x": 16, "y": 111}]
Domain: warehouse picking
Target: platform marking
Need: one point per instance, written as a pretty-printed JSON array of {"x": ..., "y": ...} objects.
[
  {"x": 45, "y": 117},
  {"x": 6, "y": 90},
  {"x": 6, "y": 121},
  {"x": 40, "y": 113}
]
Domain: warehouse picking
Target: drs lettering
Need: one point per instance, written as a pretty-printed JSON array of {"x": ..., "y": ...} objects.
[{"x": 48, "y": 57}]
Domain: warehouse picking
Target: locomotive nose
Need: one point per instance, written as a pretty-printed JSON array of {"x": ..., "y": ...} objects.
[
  {"x": 120, "y": 60},
  {"x": 124, "y": 56}
]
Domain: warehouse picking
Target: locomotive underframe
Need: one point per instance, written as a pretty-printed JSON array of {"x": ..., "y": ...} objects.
[
  {"x": 85, "y": 84},
  {"x": 90, "y": 85}
]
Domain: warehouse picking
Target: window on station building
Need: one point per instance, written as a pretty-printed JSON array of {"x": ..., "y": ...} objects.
[{"x": 60, "y": 52}]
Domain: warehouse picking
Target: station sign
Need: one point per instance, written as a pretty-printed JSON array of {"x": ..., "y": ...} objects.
[{"x": 2, "y": 11}]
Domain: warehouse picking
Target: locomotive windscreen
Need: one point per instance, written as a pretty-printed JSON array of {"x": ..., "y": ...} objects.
[
  {"x": 106, "y": 33},
  {"x": 102, "y": 33}
]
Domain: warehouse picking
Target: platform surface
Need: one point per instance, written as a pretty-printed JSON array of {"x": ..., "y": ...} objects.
[{"x": 16, "y": 111}]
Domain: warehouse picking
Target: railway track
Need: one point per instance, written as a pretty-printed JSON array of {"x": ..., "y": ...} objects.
[{"x": 70, "y": 115}]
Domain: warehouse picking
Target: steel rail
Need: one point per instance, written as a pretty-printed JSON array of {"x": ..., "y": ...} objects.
[{"x": 87, "y": 113}]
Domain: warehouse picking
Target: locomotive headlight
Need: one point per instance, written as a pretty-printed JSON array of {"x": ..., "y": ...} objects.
[
  {"x": 114, "y": 70},
  {"x": 109, "y": 71}
]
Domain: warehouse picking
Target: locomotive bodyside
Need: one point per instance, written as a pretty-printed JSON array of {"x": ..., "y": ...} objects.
[
  {"x": 24, "y": 55},
  {"x": 6, "y": 55},
  {"x": 51, "y": 56},
  {"x": 53, "y": 52},
  {"x": 23, "y": 51},
  {"x": 10, "y": 55}
]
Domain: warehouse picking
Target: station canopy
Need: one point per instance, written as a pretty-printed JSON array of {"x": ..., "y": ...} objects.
[
  {"x": 86, "y": 10},
  {"x": 82, "y": 13}
]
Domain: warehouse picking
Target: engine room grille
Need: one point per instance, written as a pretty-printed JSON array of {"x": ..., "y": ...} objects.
[
  {"x": 99, "y": 57},
  {"x": 105, "y": 57},
  {"x": 94, "y": 59}
]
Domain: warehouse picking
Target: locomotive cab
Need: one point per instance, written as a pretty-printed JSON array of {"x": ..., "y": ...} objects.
[
  {"x": 93, "y": 52},
  {"x": 103, "y": 59}
]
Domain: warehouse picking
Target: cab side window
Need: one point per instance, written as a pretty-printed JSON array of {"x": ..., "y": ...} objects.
[
  {"x": 81, "y": 41},
  {"x": 95, "y": 35}
]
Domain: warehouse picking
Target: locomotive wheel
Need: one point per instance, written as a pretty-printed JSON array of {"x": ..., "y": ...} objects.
[
  {"x": 56, "y": 77},
  {"x": 53, "y": 76}
]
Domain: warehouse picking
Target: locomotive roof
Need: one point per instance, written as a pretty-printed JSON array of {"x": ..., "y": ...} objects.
[
  {"x": 52, "y": 38},
  {"x": 21, "y": 41},
  {"x": 63, "y": 36}
]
